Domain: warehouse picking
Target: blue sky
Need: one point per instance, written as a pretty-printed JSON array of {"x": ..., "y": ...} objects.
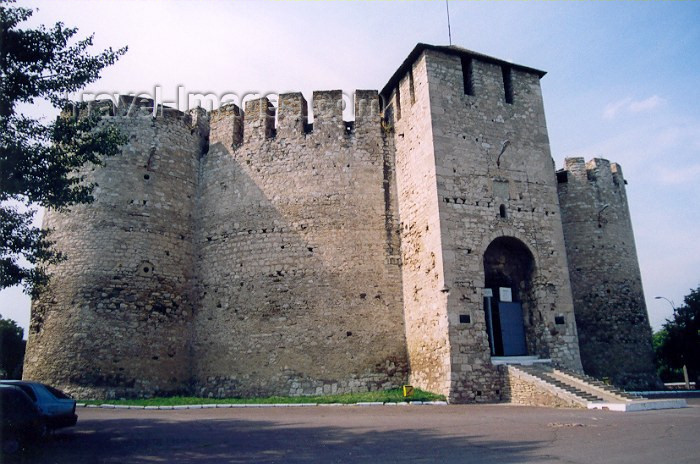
[{"x": 622, "y": 84}]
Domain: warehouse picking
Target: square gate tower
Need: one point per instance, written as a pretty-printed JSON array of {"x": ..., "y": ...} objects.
[{"x": 485, "y": 273}]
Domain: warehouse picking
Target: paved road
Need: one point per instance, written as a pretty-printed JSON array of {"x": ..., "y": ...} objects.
[{"x": 384, "y": 434}]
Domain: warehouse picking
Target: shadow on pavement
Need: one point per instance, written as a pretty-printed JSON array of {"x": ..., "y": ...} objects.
[{"x": 239, "y": 441}]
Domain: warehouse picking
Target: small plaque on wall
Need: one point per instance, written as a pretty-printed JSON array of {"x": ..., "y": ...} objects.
[{"x": 505, "y": 294}]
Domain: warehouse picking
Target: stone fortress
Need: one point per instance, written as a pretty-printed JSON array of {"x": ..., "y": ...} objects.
[{"x": 429, "y": 241}]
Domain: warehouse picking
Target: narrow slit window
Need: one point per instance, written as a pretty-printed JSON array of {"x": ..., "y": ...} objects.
[
  {"x": 411, "y": 89},
  {"x": 502, "y": 210},
  {"x": 398, "y": 102},
  {"x": 507, "y": 83},
  {"x": 468, "y": 76},
  {"x": 389, "y": 114}
]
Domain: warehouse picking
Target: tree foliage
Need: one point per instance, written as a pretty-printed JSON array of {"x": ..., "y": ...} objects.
[
  {"x": 679, "y": 342},
  {"x": 665, "y": 371},
  {"x": 11, "y": 349},
  {"x": 39, "y": 161}
]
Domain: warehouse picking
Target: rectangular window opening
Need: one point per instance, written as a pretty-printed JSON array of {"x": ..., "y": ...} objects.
[
  {"x": 467, "y": 76},
  {"x": 507, "y": 83}
]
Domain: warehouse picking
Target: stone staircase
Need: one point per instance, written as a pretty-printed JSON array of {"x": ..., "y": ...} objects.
[{"x": 584, "y": 391}]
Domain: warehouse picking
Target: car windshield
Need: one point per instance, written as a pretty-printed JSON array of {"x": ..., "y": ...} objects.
[{"x": 57, "y": 393}]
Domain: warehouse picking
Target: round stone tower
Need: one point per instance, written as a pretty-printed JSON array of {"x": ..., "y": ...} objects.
[
  {"x": 611, "y": 314},
  {"x": 115, "y": 320}
]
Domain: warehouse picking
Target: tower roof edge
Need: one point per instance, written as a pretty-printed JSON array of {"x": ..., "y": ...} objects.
[{"x": 452, "y": 50}]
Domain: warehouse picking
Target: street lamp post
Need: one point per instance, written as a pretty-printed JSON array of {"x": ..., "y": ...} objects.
[{"x": 669, "y": 301}]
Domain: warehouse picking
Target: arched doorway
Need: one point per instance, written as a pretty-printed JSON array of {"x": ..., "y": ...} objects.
[{"x": 508, "y": 272}]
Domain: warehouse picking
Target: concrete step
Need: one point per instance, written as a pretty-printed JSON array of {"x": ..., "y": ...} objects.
[
  {"x": 597, "y": 383},
  {"x": 544, "y": 375},
  {"x": 589, "y": 392}
]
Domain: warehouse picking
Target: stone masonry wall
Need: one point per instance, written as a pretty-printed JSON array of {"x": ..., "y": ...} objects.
[
  {"x": 249, "y": 253},
  {"x": 611, "y": 315},
  {"x": 423, "y": 277},
  {"x": 529, "y": 391},
  {"x": 475, "y": 192},
  {"x": 299, "y": 278},
  {"x": 116, "y": 319}
]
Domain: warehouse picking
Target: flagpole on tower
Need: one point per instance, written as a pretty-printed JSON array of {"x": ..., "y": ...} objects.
[{"x": 449, "y": 29}]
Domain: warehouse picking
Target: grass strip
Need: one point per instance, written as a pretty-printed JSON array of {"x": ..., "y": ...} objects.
[{"x": 386, "y": 396}]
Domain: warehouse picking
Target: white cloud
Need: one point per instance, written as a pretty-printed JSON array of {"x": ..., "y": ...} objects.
[
  {"x": 646, "y": 105},
  {"x": 611, "y": 109},
  {"x": 632, "y": 106}
]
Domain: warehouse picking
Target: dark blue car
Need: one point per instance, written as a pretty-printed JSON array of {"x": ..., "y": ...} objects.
[
  {"x": 21, "y": 421},
  {"x": 57, "y": 408}
]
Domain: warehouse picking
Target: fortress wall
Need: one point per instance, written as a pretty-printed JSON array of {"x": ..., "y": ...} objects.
[
  {"x": 468, "y": 133},
  {"x": 611, "y": 314},
  {"x": 255, "y": 253},
  {"x": 299, "y": 283},
  {"x": 424, "y": 305},
  {"x": 116, "y": 318}
]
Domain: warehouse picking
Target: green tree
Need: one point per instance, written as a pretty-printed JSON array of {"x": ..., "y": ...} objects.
[
  {"x": 681, "y": 343},
  {"x": 11, "y": 349},
  {"x": 39, "y": 161},
  {"x": 666, "y": 372}
]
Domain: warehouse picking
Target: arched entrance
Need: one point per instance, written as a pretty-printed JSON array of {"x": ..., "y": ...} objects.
[{"x": 508, "y": 272}]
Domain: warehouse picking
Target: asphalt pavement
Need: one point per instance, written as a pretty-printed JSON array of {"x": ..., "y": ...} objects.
[{"x": 383, "y": 434}]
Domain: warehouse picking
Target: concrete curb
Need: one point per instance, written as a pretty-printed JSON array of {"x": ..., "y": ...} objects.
[{"x": 258, "y": 405}]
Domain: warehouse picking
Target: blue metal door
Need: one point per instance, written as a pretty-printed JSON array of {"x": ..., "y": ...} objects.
[{"x": 512, "y": 329}]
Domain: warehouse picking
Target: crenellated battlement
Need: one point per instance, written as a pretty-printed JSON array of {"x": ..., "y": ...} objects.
[
  {"x": 292, "y": 115},
  {"x": 258, "y": 120},
  {"x": 262, "y": 120},
  {"x": 328, "y": 113},
  {"x": 230, "y": 126},
  {"x": 597, "y": 170},
  {"x": 145, "y": 109},
  {"x": 134, "y": 106},
  {"x": 226, "y": 126}
]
